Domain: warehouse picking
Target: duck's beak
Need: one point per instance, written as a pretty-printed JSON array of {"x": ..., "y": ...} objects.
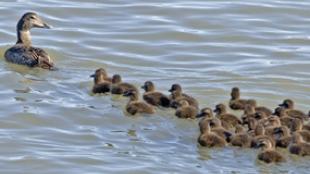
[
  {"x": 282, "y": 105},
  {"x": 39, "y": 23},
  {"x": 143, "y": 87},
  {"x": 170, "y": 90},
  {"x": 92, "y": 76}
]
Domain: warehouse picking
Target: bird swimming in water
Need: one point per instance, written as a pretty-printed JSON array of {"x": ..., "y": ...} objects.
[{"x": 23, "y": 52}]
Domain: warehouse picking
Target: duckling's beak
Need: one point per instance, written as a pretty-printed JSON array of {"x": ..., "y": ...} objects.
[
  {"x": 200, "y": 115},
  {"x": 215, "y": 110},
  {"x": 170, "y": 90},
  {"x": 92, "y": 76},
  {"x": 143, "y": 87},
  {"x": 277, "y": 130},
  {"x": 126, "y": 94},
  {"x": 258, "y": 145}
]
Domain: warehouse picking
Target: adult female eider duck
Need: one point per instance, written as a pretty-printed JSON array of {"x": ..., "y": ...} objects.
[{"x": 23, "y": 52}]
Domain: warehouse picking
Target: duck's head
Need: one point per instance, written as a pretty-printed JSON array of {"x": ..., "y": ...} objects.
[
  {"x": 220, "y": 109},
  {"x": 31, "y": 20},
  {"x": 206, "y": 112},
  {"x": 287, "y": 104},
  {"x": 148, "y": 86},
  {"x": 235, "y": 93},
  {"x": 175, "y": 87},
  {"x": 99, "y": 75},
  {"x": 116, "y": 79}
]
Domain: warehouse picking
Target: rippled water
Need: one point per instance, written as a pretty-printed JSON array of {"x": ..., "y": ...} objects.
[{"x": 50, "y": 123}]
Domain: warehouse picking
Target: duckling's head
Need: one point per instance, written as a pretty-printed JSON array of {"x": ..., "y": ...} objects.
[
  {"x": 132, "y": 94},
  {"x": 265, "y": 144},
  {"x": 283, "y": 130},
  {"x": 99, "y": 76},
  {"x": 215, "y": 123},
  {"x": 116, "y": 79},
  {"x": 220, "y": 109},
  {"x": 252, "y": 123},
  {"x": 206, "y": 112},
  {"x": 297, "y": 138},
  {"x": 235, "y": 93},
  {"x": 287, "y": 104},
  {"x": 183, "y": 103},
  {"x": 148, "y": 86},
  {"x": 175, "y": 87},
  {"x": 239, "y": 129},
  {"x": 260, "y": 115},
  {"x": 280, "y": 112},
  {"x": 252, "y": 102},
  {"x": 259, "y": 129},
  {"x": 31, "y": 20},
  {"x": 274, "y": 121},
  {"x": 296, "y": 124},
  {"x": 249, "y": 109}
]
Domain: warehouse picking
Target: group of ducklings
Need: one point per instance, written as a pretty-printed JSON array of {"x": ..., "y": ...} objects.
[{"x": 258, "y": 126}]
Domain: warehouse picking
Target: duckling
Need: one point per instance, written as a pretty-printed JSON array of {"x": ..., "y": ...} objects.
[
  {"x": 284, "y": 118},
  {"x": 272, "y": 123},
  {"x": 306, "y": 127},
  {"x": 154, "y": 97},
  {"x": 134, "y": 106},
  {"x": 210, "y": 139},
  {"x": 297, "y": 126},
  {"x": 119, "y": 87},
  {"x": 235, "y": 102},
  {"x": 241, "y": 137},
  {"x": 205, "y": 113},
  {"x": 207, "y": 117},
  {"x": 285, "y": 138},
  {"x": 101, "y": 82},
  {"x": 288, "y": 104},
  {"x": 299, "y": 146},
  {"x": 185, "y": 110},
  {"x": 177, "y": 95},
  {"x": 268, "y": 153},
  {"x": 216, "y": 127},
  {"x": 263, "y": 109},
  {"x": 222, "y": 114},
  {"x": 259, "y": 133},
  {"x": 23, "y": 52},
  {"x": 249, "y": 111},
  {"x": 101, "y": 75}
]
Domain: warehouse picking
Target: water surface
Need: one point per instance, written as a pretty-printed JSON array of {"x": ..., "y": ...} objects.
[{"x": 50, "y": 122}]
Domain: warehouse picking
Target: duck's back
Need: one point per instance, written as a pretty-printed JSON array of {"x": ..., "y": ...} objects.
[{"x": 29, "y": 56}]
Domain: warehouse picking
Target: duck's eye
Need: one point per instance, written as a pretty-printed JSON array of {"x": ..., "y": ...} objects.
[{"x": 32, "y": 17}]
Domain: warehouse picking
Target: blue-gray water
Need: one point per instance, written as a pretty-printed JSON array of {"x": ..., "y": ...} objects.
[{"x": 50, "y": 123}]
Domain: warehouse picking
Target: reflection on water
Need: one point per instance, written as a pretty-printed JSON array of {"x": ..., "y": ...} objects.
[{"x": 50, "y": 122}]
